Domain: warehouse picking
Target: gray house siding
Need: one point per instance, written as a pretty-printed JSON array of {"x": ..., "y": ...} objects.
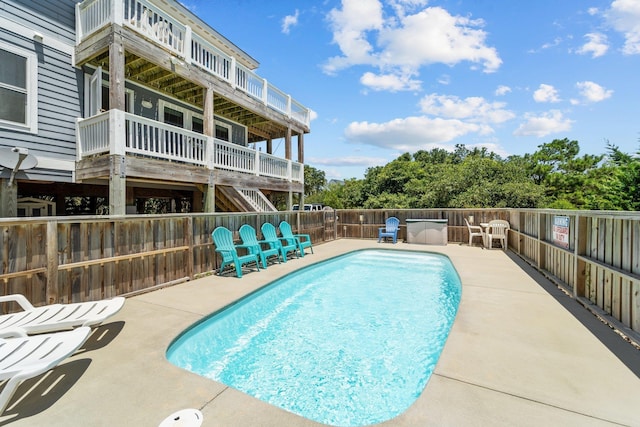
[
  {"x": 60, "y": 84},
  {"x": 59, "y": 16}
]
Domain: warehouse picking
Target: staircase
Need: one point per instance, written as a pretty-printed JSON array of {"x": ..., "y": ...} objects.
[{"x": 232, "y": 199}]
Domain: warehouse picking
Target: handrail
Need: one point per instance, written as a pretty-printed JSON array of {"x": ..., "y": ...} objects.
[
  {"x": 144, "y": 17},
  {"x": 162, "y": 141}
]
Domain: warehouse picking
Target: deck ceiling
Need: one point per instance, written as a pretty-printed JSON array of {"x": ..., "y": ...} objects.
[{"x": 160, "y": 79}]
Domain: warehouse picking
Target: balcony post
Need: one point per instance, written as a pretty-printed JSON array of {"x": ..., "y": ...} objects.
[
  {"x": 288, "y": 105},
  {"x": 257, "y": 160},
  {"x": 79, "y": 141},
  {"x": 117, "y": 135},
  {"x": 186, "y": 46},
  {"x": 287, "y": 144},
  {"x": 117, "y": 12},
  {"x": 232, "y": 73},
  {"x": 79, "y": 29},
  {"x": 265, "y": 92}
]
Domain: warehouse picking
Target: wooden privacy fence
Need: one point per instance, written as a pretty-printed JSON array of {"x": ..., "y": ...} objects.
[
  {"x": 72, "y": 259},
  {"x": 594, "y": 255}
]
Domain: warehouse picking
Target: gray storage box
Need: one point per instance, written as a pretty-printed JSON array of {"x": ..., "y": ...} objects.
[{"x": 427, "y": 231}]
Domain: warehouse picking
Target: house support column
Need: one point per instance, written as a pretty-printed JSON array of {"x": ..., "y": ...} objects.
[
  {"x": 209, "y": 190},
  {"x": 301, "y": 148},
  {"x": 287, "y": 144},
  {"x": 118, "y": 175},
  {"x": 209, "y": 195},
  {"x": 117, "y": 185},
  {"x": 8, "y": 198},
  {"x": 287, "y": 155}
]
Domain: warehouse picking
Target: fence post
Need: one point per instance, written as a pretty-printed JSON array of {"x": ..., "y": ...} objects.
[
  {"x": 579, "y": 249},
  {"x": 52, "y": 262},
  {"x": 189, "y": 237}
]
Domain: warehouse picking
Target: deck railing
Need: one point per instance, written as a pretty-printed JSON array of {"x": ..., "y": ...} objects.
[
  {"x": 144, "y": 17},
  {"x": 117, "y": 132}
]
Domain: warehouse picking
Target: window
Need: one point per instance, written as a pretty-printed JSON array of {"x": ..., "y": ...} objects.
[
  {"x": 197, "y": 125},
  {"x": 223, "y": 131},
  {"x": 173, "y": 117},
  {"x": 18, "y": 89},
  {"x": 128, "y": 98}
]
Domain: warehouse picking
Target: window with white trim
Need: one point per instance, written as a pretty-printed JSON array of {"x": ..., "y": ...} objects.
[
  {"x": 187, "y": 119},
  {"x": 18, "y": 89}
]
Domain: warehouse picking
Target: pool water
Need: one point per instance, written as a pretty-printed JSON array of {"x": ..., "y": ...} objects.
[{"x": 350, "y": 341}]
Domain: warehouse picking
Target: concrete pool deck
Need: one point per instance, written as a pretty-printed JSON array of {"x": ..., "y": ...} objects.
[{"x": 516, "y": 355}]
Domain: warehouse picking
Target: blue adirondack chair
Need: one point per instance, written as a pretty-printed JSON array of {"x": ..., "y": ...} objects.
[
  {"x": 255, "y": 246},
  {"x": 301, "y": 240},
  {"x": 223, "y": 239},
  {"x": 271, "y": 237},
  {"x": 389, "y": 230}
]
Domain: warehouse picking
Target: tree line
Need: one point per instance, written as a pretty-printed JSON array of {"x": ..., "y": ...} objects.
[{"x": 554, "y": 176}]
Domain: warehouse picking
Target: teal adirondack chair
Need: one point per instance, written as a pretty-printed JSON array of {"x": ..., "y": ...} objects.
[
  {"x": 301, "y": 240},
  {"x": 271, "y": 237},
  {"x": 255, "y": 246},
  {"x": 223, "y": 239}
]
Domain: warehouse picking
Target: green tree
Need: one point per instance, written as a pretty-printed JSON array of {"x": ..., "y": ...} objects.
[{"x": 314, "y": 180}]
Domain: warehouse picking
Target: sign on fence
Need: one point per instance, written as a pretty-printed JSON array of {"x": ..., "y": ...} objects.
[{"x": 561, "y": 231}]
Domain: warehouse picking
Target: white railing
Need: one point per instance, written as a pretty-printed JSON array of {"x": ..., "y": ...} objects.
[
  {"x": 117, "y": 132},
  {"x": 92, "y": 135},
  {"x": 155, "y": 24},
  {"x": 257, "y": 199},
  {"x": 211, "y": 59},
  {"x": 161, "y": 27},
  {"x": 249, "y": 82},
  {"x": 271, "y": 165},
  {"x": 150, "y": 138},
  {"x": 297, "y": 172}
]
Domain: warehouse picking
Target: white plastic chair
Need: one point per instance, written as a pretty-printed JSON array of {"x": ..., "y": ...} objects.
[
  {"x": 25, "y": 357},
  {"x": 474, "y": 231},
  {"x": 497, "y": 230}
]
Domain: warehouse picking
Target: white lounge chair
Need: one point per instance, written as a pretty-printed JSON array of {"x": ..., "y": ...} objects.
[
  {"x": 25, "y": 357},
  {"x": 57, "y": 317}
]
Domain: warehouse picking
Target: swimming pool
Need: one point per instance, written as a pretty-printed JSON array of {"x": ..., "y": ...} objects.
[{"x": 347, "y": 342}]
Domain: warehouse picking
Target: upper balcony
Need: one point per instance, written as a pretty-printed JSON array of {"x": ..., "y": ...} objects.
[{"x": 188, "y": 44}]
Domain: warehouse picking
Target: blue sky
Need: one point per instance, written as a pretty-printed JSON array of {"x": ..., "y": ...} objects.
[{"x": 388, "y": 77}]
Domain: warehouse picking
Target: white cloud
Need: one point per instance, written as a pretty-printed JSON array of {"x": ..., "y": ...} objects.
[
  {"x": 593, "y": 92},
  {"x": 502, "y": 90},
  {"x": 544, "y": 124},
  {"x": 290, "y": 21},
  {"x": 472, "y": 109},
  {"x": 389, "y": 82},
  {"x": 312, "y": 115},
  {"x": 624, "y": 16},
  {"x": 404, "y": 41},
  {"x": 411, "y": 133},
  {"x": 445, "y": 79},
  {"x": 596, "y": 46},
  {"x": 434, "y": 36},
  {"x": 546, "y": 93},
  {"x": 350, "y": 26}
]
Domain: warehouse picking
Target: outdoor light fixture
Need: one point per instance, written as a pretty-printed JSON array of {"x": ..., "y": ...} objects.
[{"x": 146, "y": 103}]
